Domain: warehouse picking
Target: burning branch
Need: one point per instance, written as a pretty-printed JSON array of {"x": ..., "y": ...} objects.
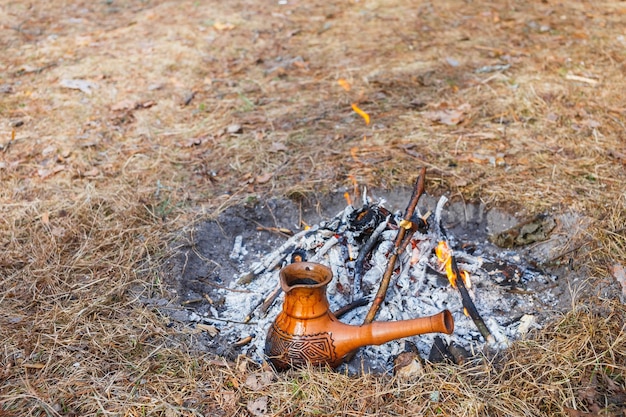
[
  {"x": 458, "y": 279},
  {"x": 402, "y": 240}
]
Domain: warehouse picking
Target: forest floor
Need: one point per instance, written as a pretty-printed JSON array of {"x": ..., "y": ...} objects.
[{"x": 124, "y": 124}]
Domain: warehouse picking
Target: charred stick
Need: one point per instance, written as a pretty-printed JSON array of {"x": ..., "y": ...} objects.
[
  {"x": 468, "y": 304},
  {"x": 251, "y": 313},
  {"x": 280, "y": 230},
  {"x": 244, "y": 341},
  {"x": 459, "y": 354},
  {"x": 276, "y": 257},
  {"x": 324, "y": 249},
  {"x": 349, "y": 307},
  {"x": 407, "y": 225},
  {"x": 363, "y": 252},
  {"x": 264, "y": 304},
  {"x": 270, "y": 299}
]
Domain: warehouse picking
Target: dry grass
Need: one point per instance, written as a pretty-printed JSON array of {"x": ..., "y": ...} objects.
[{"x": 94, "y": 184}]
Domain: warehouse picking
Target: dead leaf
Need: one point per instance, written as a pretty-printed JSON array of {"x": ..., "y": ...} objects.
[
  {"x": 82, "y": 85},
  {"x": 258, "y": 407},
  {"x": 58, "y": 231},
  {"x": 450, "y": 117},
  {"x": 619, "y": 273},
  {"x": 48, "y": 150},
  {"x": 191, "y": 142},
  {"x": 221, "y": 27},
  {"x": 93, "y": 172},
  {"x": 578, "y": 78},
  {"x": 229, "y": 398},
  {"x": 124, "y": 105},
  {"x": 221, "y": 363},
  {"x": 6, "y": 89},
  {"x": 45, "y": 218},
  {"x": 34, "y": 365},
  {"x": 259, "y": 380},
  {"x": 278, "y": 147},
  {"x": 461, "y": 182},
  {"x": 262, "y": 179},
  {"x": 612, "y": 385},
  {"x": 210, "y": 329},
  {"x": 46, "y": 173},
  {"x": 301, "y": 64},
  {"x": 577, "y": 413}
]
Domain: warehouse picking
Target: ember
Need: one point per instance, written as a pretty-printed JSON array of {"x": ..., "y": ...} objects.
[{"x": 363, "y": 245}]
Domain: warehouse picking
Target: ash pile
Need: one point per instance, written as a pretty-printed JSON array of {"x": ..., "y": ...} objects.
[{"x": 509, "y": 296}]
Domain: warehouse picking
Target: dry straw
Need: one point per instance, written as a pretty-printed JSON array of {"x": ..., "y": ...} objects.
[{"x": 188, "y": 107}]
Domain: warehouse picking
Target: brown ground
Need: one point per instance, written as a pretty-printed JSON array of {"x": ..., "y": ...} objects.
[{"x": 122, "y": 123}]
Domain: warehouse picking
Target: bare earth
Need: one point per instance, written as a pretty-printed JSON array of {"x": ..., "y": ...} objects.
[{"x": 124, "y": 124}]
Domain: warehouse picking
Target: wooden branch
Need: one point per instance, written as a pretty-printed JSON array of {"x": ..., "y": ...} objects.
[
  {"x": 363, "y": 252},
  {"x": 349, "y": 307},
  {"x": 468, "y": 304},
  {"x": 402, "y": 239}
]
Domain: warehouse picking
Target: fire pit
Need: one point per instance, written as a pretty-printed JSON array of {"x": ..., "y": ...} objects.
[{"x": 230, "y": 294}]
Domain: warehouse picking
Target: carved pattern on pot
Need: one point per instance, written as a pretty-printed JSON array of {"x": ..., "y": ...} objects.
[{"x": 286, "y": 350}]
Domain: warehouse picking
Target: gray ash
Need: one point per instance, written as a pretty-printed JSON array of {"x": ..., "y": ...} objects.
[{"x": 231, "y": 292}]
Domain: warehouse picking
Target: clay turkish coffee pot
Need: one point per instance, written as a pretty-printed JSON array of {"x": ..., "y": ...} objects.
[{"x": 305, "y": 331}]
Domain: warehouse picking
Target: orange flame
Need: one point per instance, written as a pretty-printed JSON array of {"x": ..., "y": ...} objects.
[
  {"x": 445, "y": 257},
  {"x": 466, "y": 279},
  {"x": 361, "y": 113},
  {"x": 444, "y": 254},
  {"x": 346, "y": 195}
]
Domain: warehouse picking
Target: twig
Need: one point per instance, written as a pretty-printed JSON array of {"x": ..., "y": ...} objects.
[
  {"x": 349, "y": 307},
  {"x": 205, "y": 280},
  {"x": 280, "y": 230},
  {"x": 274, "y": 258},
  {"x": 270, "y": 299},
  {"x": 468, "y": 304},
  {"x": 324, "y": 249},
  {"x": 264, "y": 303},
  {"x": 399, "y": 246},
  {"x": 6, "y": 147}
]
